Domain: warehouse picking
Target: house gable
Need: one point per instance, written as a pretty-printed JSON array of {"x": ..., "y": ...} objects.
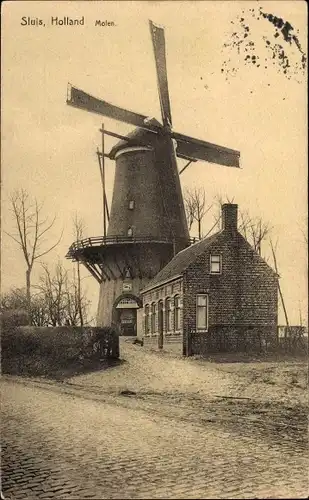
[{"x": 244, "y": 293}]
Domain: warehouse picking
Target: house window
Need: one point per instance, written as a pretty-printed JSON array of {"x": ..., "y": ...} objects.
[
  {"x": 168, "y": 315},
  {"x": 153, "y": 317},
  {"x": 130, "y": 231},
  {"x": 215, "y": 264},
  {"x": 176, "y": 313},
  {"x": 131, "y": 205},
  {"x": 202, "y": 311},
  {"x": 147, "y": 322}
]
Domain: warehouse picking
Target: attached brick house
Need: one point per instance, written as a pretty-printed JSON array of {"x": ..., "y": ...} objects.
[{"x": 216, "y": 295}]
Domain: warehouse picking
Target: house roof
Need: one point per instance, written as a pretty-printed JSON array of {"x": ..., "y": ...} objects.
[{"x": 182, "y": 260}]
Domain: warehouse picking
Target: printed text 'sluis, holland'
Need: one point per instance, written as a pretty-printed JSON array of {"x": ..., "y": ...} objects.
[{"x": 62, "y": 21}]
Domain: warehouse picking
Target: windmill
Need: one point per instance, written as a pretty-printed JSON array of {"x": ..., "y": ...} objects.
[{"x": 147, "y": 222}]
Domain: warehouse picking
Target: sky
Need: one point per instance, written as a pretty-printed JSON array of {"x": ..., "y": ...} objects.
[{"x": 217, "y": 94}]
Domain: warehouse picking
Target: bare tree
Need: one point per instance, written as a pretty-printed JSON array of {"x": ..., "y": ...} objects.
[
  {"x": 195, "y": 207},
  {"x": 31, "y": 231},
  {"x": 77, "y": 303},
  {"x": 55, "y": 302},
  {"x": 253, "y": 229},
  {"x": 53, "y": 288},
  {"x": 64, "y": 303},
  {"x": 79, "y": 230}
]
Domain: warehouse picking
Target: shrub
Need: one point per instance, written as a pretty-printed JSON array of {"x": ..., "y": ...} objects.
[
  {"x": 41, "y": 349},
  {"x": 13, "y": 317}
]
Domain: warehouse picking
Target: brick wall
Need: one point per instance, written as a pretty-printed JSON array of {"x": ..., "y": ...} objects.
[
  {"x": 258, "y": 289},
  {"x": 242, "y": 299},
  {"x": 171, "y": 342},
  {"x": 238, "y": 338},
  {"x": 161, "y": 293},
  {"x": 242, "y": 306}
]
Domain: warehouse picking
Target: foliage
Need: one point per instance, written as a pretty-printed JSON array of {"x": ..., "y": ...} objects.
[
  {"x": 13, "y": 306},
  {"x": 43, "y": 350}
]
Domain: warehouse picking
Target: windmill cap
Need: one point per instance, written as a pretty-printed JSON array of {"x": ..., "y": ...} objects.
[{"x": 138, "y": 137}]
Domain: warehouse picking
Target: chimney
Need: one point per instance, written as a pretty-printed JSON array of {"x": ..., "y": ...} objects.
[{"x": 229, "y": 217}]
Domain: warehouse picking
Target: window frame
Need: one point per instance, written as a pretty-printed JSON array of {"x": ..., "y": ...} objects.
[
  {"x": 153, "y": 318},
  {"x": 211, "y": 257},
  {"x": 168, "y": 314},
  {"x": 147, "y": 319},
  {"x": 206, "y": 308},
  {"x": 177, "y": 313}
]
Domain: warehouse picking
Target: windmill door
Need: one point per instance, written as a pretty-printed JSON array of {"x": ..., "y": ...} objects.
[
  {"x": 127, "y": 316},
  {"x": 128, "y": 322}
]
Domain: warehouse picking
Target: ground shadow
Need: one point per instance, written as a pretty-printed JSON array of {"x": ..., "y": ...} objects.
[
  {"x": 56, "y": 371},
  {"x": 251, "y": 357}
]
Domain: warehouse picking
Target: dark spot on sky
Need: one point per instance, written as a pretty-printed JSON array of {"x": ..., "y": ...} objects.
[{"x": 241, "y": 41}]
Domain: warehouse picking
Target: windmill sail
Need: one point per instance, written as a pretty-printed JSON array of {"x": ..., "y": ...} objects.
[
  {"x": 158, "y": 41},
  {"x": 196, "y": 149},
  {"x": 80, "y": 99}
]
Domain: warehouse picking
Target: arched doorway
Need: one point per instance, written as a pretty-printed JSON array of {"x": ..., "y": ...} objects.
[{"x": 125, "y": 314}]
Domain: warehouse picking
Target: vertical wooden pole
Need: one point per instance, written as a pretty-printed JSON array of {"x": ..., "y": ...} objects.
[
  {"x": 100, "y": 167},
  {"x": 280, "y": 291},
  {"x": 103, "y": 182}
]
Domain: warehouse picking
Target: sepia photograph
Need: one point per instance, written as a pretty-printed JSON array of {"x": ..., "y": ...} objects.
[{"x": 154, "y": 249}]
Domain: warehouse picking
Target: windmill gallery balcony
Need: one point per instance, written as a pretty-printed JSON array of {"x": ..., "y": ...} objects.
[
  {"x": 78, "y": 248},
  {"x": 108, "y": 257}
]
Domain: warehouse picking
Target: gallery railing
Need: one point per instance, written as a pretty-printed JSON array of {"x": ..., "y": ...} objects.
[{"x": 97, "y": 241}]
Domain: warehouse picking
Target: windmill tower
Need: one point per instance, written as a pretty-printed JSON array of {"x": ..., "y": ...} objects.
[{"x": 147, "y": 223}]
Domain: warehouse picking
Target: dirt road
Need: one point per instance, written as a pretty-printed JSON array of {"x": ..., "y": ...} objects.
[{"x": 83, "y": 439}]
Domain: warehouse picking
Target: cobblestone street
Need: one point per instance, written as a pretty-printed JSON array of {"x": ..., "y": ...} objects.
[{"x": 73, "y": 443}]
